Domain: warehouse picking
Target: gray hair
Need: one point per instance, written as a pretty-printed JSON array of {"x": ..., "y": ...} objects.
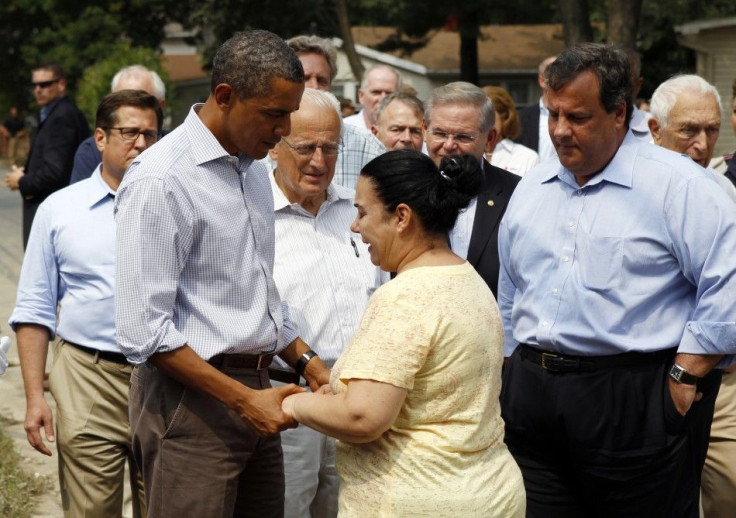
[
  {"x": 379, "y": 66},
  {"x": 409, "y": 100},
  {"x": 324, "y": 100},
  {"x": 461, "y": 92},
  {"x": 610, "y": 65},
  {"x": 311, "y": 44},
  {"x": 159, "y": 89},
  {"x": 250, "y": 60},
  {"x": 666, "y": 94}
]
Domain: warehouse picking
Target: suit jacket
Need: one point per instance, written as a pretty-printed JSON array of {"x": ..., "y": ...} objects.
[
  {"x": 51, "y": 157},
  {"x": 529, "y": 118},
  {"x": 494, "y": 195}
]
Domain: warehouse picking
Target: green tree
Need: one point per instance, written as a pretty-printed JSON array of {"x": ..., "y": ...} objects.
[{"x": 74, "y": 34}]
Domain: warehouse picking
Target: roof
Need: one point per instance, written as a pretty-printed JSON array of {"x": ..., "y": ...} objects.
[
  {"x": 513, "y": 48},
  {"x": 703, "y": 25},
  {"x": 183, "y": 67}
]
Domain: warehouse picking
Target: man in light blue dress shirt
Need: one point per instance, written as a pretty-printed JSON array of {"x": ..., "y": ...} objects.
[
  {"x": 616, "y": 290},
  {"x": 69, "y": 266}
]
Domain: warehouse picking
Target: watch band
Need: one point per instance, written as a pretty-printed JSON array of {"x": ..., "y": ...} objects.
[
  {"x": 681, "y": 375},
  {"x": 301, "y": 363}
]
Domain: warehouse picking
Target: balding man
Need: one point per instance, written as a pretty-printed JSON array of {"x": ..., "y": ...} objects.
[
  {"x": 400, "y": 122},
  {"x": 687, "y": 119},
  {"x": 135, "y": 77},
  {"x": 378, "y": 82},
  {"x": 327, "y": 287},
  {"x": 319, "y": 59},
  {"x": 460, "y": 120}
]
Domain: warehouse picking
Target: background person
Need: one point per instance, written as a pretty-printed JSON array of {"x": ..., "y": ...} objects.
[
  {"x": 400, "y": 122},
  {"x": 378, "y": 82},
  {"x": 504, "y": 152},
  {"x": 70, "y": 265},
  {"x": 326, "y": 275},
  {"x": 49, "y": 164},
  {"x": 415, "y": 402}
]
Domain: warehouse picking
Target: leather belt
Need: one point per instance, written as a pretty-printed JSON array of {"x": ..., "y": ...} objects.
[
  {"x": 556, "y": 362},
  {"x": 103, "y": 355},
  {"x": 241, "y": 361},
  {"x": 284, "y": 376}
]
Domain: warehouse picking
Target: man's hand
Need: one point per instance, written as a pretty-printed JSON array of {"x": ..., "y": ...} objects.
[
  {"x": 261, "y": 409},
  {"x": 317, "y": 374},
  {"x": 683, "y": 395},
  {"x": 38, "y": 415},
  {"x": 12, "y": 179}
]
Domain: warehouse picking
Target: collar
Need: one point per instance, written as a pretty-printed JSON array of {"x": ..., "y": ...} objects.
[
  {"x": 620, "y": 170},
  {"x": 98, "y": 191},
  {"x": 205, "y": 147},
  {"x": 335, "y": 193},
  {"x": 639, "y": 122},
  {"x": 46, "y": 110}
]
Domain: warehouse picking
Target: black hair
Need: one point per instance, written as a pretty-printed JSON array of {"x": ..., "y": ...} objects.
[
  {"x": 250, "y": 60},
  {"x": 610, "y": 64},
  {"x": 435, "y": 195},
  {"x": 107, "y": 110}
]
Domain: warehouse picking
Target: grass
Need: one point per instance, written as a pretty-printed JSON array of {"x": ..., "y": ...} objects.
[{"x": 18, "y": 489}]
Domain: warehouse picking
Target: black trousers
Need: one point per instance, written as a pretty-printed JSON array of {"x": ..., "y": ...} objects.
[{"x": 606, "y": 443}]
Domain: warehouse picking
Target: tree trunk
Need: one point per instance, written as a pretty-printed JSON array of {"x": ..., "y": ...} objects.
[
  {"x": 348, "y": 45},
  {"x": 623, "y": 22},
  {"x": 469, "y": 32},
  {"x": 576, "y": 26}
]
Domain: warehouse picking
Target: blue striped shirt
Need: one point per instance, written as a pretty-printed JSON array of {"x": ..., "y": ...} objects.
[{"x": 195, "y": 251}]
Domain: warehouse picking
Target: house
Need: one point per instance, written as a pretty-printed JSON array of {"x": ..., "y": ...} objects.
[
  {"x": 508, "y": 56},
  {"x": 714, "y": 42}
]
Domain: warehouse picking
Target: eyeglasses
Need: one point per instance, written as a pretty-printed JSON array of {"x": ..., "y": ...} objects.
[
  {"x": 460, "y": 138},
  {"x": 45, "y": 84},
  {"x": 307, "y": 150},
  {"x": 132, "y": 134}
]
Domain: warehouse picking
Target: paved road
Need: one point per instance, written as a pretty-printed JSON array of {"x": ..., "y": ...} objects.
[{"x": 12, "y": 396}]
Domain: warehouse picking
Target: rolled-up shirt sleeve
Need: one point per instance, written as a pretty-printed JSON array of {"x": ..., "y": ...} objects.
[
  {"x": 154, "y": 236},
  {"x": 706, "y": 250},
  {"x": 38, "y": 286}
]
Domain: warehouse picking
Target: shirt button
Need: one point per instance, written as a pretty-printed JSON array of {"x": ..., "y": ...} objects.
[
  {"x": 555, "y": 291},
  {"x": 566, "y": 259},
  {"x": 545, "y": 323},
  {"x": 571, "y": 224}
]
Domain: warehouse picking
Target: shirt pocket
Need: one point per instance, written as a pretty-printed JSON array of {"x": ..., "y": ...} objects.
[{"x": 600, "y": 261}]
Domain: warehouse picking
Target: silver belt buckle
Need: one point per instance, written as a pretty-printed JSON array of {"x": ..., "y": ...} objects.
[{"x": 545, "y": 357}]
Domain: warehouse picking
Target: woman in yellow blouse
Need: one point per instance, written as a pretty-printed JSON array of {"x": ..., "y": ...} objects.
[{"x": 414, "y": 397}]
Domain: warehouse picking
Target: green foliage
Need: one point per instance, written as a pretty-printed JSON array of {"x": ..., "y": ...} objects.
[
  {"x": 75, "y": 34},
  {"x": 17, "y": 488},
  {"x": 95, "y": 83}
]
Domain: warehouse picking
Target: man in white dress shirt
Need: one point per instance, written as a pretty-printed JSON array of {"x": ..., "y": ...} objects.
[{"x": 324, "y": 273}]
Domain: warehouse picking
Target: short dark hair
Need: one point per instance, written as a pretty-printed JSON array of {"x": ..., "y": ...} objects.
[
  {"x": 107, "y": 110},
  {"x": 250, "y": 60},
  {"x": 412, "y": 101},
  {"x": 53, "y": 67},
  {"x": 610, "y": 64},
  {"x": 435, "y": 195}
]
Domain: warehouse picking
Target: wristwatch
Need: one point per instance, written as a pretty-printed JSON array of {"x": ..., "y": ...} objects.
[
  {"x": 301, "y": 363},
  {"x": 680, "y": 375}
]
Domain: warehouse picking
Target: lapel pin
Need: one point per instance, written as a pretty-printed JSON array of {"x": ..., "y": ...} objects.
[{"x": 490, "y": 203}]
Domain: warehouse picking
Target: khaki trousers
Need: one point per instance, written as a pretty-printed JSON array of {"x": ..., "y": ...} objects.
[
  {"x": 93, "y": 434},
  {"x": 719, "y": 473}
]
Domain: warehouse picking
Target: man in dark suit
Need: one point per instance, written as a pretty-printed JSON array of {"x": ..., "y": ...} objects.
[
  {"x": 534, "y": 133},
  {"x": 459, "y": 119},
  {"x": 62, "y": 127}
]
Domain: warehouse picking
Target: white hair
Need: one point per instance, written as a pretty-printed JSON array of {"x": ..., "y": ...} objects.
[
  {"x": 324, "y": 100},
  {"x": 159, "y": 89},
  {"x": 380, "y": 66},
  {"x": 666, "y": 94}
]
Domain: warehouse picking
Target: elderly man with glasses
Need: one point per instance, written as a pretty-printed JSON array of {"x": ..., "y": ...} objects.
[
  {"x": 70, "y": 265},
  {"x": 62, "y": 127},
  {"x": 323, "y": 272},
  {"x": 459, "y": 119}
]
